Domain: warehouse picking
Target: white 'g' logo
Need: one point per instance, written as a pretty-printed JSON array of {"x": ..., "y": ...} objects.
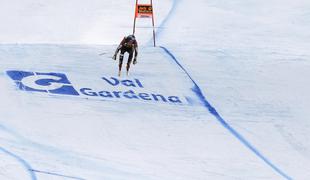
[
  {"x": 30, "y": 81},
  {"x": 54, "y": 83}
]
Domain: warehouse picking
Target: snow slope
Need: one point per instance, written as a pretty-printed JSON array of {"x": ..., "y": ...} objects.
[
  {"x": 256, "y": 63},
  {"x": 224, "y": 96}
]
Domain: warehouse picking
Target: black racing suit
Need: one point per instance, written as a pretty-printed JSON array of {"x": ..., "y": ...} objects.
[{"x": 130, "y": 45}]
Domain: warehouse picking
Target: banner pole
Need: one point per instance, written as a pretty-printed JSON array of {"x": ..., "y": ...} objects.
[
  {"x": 135, "y": 17},
  {"x": 153, "y": 23}
]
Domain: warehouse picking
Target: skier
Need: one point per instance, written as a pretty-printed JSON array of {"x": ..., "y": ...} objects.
[{"x": 128, "y": 44}]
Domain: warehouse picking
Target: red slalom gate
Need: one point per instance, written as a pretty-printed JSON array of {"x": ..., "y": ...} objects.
[{"x": 144, "y": 11}]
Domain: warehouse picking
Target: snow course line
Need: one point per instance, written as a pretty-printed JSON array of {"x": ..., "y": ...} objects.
[
  {"x": 160, "y": 28},
  {"x": 196, "y": 89},
  {"x": 56, "y": 174},
  {"x": 22, "y": 161}
]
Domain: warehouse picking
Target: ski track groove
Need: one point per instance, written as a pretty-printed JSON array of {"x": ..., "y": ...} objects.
[
  {"x": 196, "y": 89},
  {"x": 26, "y": 165}
]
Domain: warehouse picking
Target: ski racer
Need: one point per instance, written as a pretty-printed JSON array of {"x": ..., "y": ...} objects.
[{"x": 128, "y": 44}]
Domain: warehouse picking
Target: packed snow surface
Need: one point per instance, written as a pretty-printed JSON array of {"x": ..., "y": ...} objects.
[{"x": 224, "y": 94}]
